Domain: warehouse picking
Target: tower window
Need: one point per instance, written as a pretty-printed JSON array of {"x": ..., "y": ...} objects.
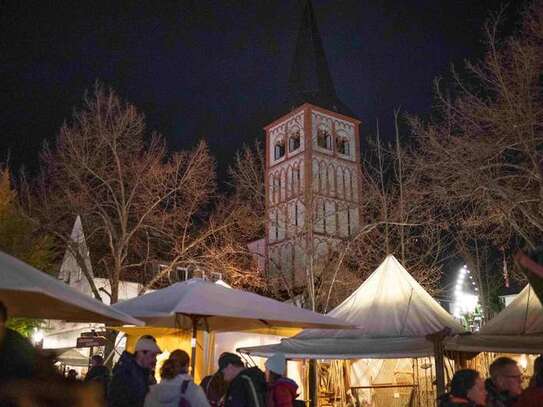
[
  {"x": 324, "y": 139},
  {"x": 294, "y": 141},
  {"x": 349, "y": 231},
  {"x": 279, "y": 150},
  {"x": 343, "y": 146}
]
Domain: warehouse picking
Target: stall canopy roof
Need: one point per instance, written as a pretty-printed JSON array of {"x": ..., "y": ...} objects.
[
  {"x": 31, "y": 293},
  {"x": 516, "y": 329},
  {"x": 392, "y": 313},
  {"x": 524, "y": 316},
  {"x": 390, "y": 303},
  {"x": 219, "y": 308}
]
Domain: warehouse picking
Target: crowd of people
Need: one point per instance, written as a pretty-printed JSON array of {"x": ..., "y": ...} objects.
[
  {"x": 132, "y": 382},
  {"x": 233, "y": 385},
  {"x": 503, "y": 388}
]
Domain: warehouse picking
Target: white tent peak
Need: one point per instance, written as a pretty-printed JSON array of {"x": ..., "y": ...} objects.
[
  {"x": 70, "y": 268},
  {"x": 523, "y": 316},
  {"x": 390, "y": 303},
  {"x": 223, "y": 283}
]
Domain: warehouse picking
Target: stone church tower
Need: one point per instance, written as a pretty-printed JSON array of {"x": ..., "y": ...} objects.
[{"x": 312, "y": 165}]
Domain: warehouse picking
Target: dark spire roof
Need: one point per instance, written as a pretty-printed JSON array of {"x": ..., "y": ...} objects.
[{"x": 310, "y": 80}]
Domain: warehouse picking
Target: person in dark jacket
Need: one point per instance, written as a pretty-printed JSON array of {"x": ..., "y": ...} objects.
[
  {"x": 215, "y": 388},
  {"x": 247, "y": 386},
  {"x": 98, "y": 373},
  {"x": 18, "y": 357},
  {"x": 282, "y": 391},
  {"x": 132, "y": 374},
  {"x": 533, "y": 395},
  {"x": 467, "y": 390},
  {"x": 505, "y": 383}
]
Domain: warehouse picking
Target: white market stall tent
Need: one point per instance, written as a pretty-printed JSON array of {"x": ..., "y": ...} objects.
[
  {"x": 393, "y": 315},
  {"x": 200, "y": 305},
  {"x": 518, "y": 328},
  {"x": 28, "y": 292}
]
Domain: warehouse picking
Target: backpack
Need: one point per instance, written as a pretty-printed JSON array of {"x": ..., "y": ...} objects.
[
  {"x": 258, "y": 393},
  {"x": 183, "y": 401}
]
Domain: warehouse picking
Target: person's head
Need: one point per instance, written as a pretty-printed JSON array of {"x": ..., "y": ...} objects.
[
  {"x": 97, "y": 360},
  {"x": 537, "y": 379},
  {"x": 467, "y": 384},
  {"x": 72, "y": 374},
  {"x": 506, "y": 376},
  {"x": 146, "y": 352},
  {"x": 177, "y": 363},
  {"x": 230, "y": 365},
  {"x": 275, "y": 367}
]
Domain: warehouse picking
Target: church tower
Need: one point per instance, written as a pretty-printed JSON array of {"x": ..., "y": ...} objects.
[{"x": 312, "y": 165}]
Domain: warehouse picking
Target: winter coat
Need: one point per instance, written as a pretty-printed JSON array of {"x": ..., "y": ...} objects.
[
  {"x": 281, "y": 393},
  {"x": 168, "y": 393},
  {"x": 129, "y": 383},
  {"x": 99, "y": 375},
  {"x": 17, "y": 356},
  {"x": 449, "y": 400},
  {"x": 531, "y": 397},
  {"x": 248, "y": 389},
  {"x": 214, "y": 387},
  {"x": 496, "y": 398}
]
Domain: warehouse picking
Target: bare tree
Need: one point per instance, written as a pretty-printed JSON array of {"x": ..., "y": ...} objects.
[
  {"x": 481, "y": 154},
  {"x": 134, "y": 198}
]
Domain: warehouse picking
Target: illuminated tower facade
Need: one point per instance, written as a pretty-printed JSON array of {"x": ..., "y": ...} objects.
[{"x": 312, "y": 166}]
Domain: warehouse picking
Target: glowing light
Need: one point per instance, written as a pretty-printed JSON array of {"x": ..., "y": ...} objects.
[
  {"x": 37, "y": 336},
  {"x": 466, "y": 300},
  {"x": 523, "y": 361}
]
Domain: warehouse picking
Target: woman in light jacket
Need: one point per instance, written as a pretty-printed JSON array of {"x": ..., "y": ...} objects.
[{"x": 175, "y": 384}]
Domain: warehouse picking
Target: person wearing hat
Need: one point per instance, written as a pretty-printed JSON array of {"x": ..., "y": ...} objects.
[
  {"x": 282, "y": 391},
  {"x": 132, "y": 374},
  {"x": 247, "y": 386}
]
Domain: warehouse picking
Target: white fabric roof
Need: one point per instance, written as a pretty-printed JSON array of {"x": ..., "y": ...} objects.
[
  {"x": 30, "y": 293},
  {"x": 392, "y": 313},
  {"x": 523, "y": 316},
  {"x": 390, "y": 303},
  {"x": 516, "y": 329},
  {"x": 495, "y": 343},
  {"x": 222, "y": 309}
]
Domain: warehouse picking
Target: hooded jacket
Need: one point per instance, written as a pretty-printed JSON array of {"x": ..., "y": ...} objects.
[
  {"x": 248, "y": 389},
  {"x": 281, "y": 393},
  {"x": 129, "y": 383},
  {"x": 168, "y": 393}
]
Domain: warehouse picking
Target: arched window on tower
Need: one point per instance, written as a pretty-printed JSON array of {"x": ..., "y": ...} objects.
[
  {"x": 343, "y": 146},
  {"x": 279, "y": 150},
  {"x": 295, "y": 180},
  {"x": 324, "y": 138},
  {"x": 294, "y": 141}
]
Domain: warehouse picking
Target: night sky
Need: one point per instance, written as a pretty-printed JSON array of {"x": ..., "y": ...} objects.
[{"x": 219, "y": 69}]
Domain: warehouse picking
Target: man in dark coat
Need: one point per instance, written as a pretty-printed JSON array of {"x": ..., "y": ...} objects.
[
  {"x": 98, "y": 373},
  {"x": 247, "y": 386},
  {"x": 505, "y": 383},
  {"x": 132, "y": 374},
  {"x": 17, "y": 355}
]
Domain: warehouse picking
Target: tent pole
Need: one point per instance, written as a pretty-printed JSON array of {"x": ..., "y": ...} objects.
[
  {"x": 312, "y": 383},
  {"x": 437, "y": 341},
  {"x": 194, "y": 320}
]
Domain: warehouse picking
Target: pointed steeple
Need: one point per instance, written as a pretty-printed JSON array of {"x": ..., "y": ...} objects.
[
  {"x": 310, "y": 80},
  {"x": 70, "y": 270}
]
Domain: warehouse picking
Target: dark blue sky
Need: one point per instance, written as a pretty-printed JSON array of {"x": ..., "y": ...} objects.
[{"x": 219, "y": 69}]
